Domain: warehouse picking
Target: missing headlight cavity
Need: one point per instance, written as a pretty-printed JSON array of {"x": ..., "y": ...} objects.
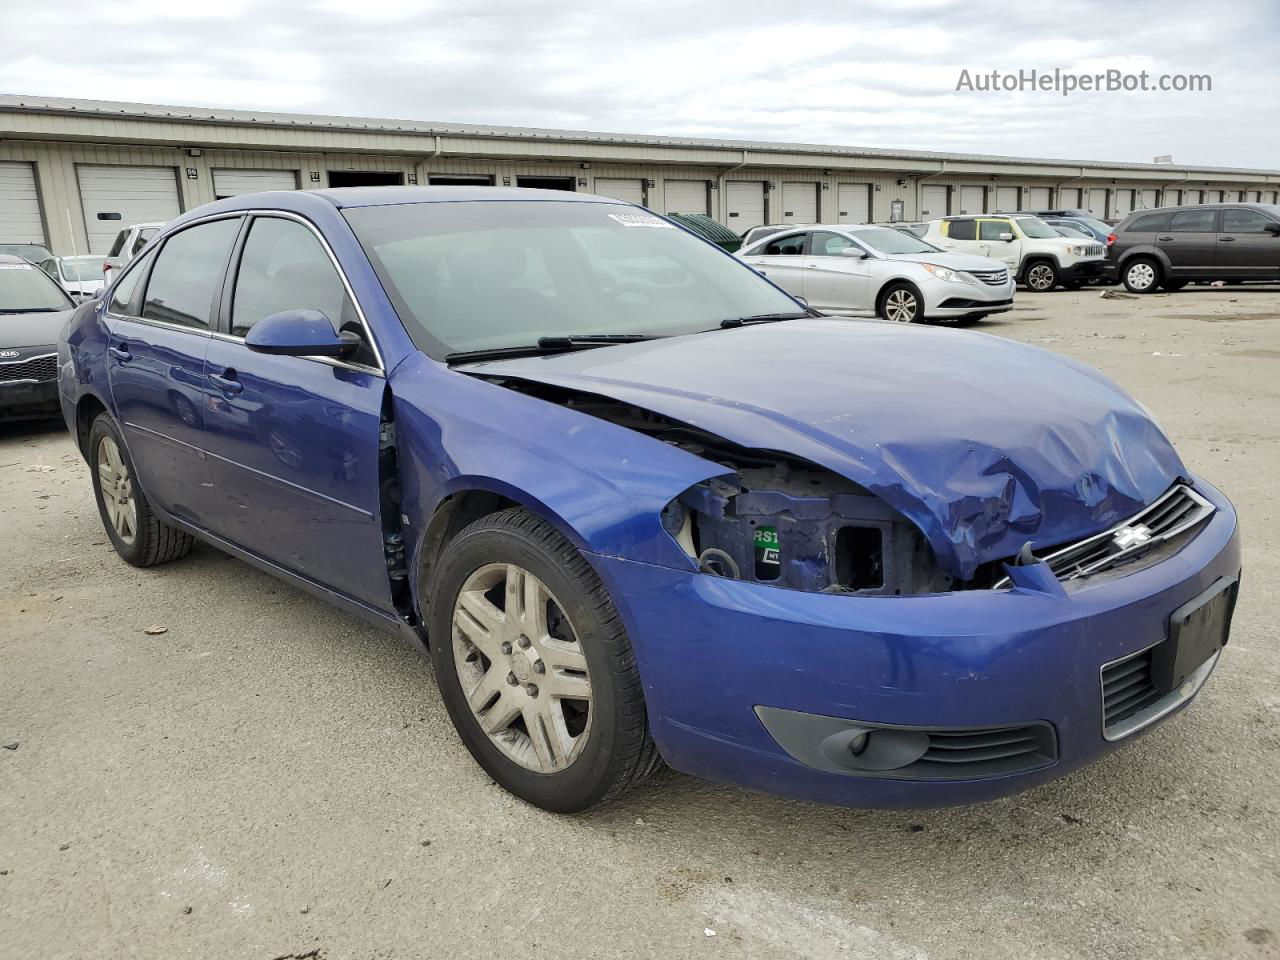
[{"x": 774, "y": 518}]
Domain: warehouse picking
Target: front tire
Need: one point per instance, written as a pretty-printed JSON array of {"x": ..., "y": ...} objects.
[
  {"x": 1042, "y": 276},
  {"x": 1172, "y": 286},
  {"x": 900, "y": 303},
  {"x": 138, "y": 535},
  {"x": 1141, "y": 275},
  {"x": 535, "y": 667}
]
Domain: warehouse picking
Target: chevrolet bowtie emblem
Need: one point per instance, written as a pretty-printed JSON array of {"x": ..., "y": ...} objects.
[{"x": 1127, "y": 537}]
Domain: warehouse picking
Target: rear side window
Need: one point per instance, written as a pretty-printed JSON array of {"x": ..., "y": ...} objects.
[
  {"x": 187, "y": 273},
  {"x": 991, "y": 229},
  {"x": 962, "y": 230},
  {"x": 1194, "y": 221},
  {"x": 1149, "y": 224},
  {"x": 1245, "y": 221},
  {"x": 792, "y": 246},
  {"x": 284, "y": 267}
]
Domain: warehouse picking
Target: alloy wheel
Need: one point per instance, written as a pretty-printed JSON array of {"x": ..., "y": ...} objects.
[
  {"x": 521, "y": 668},
  {"x": 1040, "y": 277},
  {"x": 117, "y": 490},
  {"x": 901, "y": 306}
]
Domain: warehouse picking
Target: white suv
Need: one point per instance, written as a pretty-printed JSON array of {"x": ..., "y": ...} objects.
[
  {"x": 128, "y": 243},
  {"x": 1035, "y": 253}
]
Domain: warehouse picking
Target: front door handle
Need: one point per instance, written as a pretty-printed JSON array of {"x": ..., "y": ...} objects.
[
  {"x": 1164, "y": 239},
  {"x": 1226, "y": 239},
  {"x": 228, "y": 383},
  {"x": 121, "y": 353}
]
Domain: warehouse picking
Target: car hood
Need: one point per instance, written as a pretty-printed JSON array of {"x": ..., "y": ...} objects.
[
  {"x": 31, "y": 329},
  {"x": 956, "y": 261},
  {"x": 982, "y": 442}
]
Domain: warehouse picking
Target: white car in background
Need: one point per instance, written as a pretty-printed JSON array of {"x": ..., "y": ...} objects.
[
  {"x": 1035, "y": 253},
  {"x": 81, "y": 276},
  {"x": 867, "y": 270},
  {"x": 128, "y": 244}
]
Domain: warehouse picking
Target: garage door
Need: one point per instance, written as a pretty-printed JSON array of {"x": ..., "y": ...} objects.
[
  {"x": 1123, "y": 204},
  {"x": 1148, "y": 199},
  {"x": 1038, "y": 198},
  {"x": 687, "y": 196},
  {"x": 137, "y": 194},
  {"x": 1097, "y": 202},
  {"x": 1213, "y": 196},
  {"x": 799, "y": 203},
  {"x": 1007, "y": 199},
  {"x": 19, "y": 205},
  {"x": 933, "y": 202},
  {"x": 631, "y": 191},
  {"x": 973, "y": 200},
  {"x": 236, "y": 183},
  {"x": 1069, "y": 198},
  {"x": 853, "y": 203},
  {"x": 1190, "y": 197},
  {"x": 745, "y": 203}
]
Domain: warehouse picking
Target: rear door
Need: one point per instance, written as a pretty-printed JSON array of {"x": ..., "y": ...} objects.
[
  {"x": 961, "y": 236},
  {"x": 1190, "y": 243},
  {"x": 833, "y": 281},
  {"x": 160, "y": 317},
  {"x": 781, "y": 259},
  {"x": 1247, "y": 249},
  {"x": 293, "y": 441}
]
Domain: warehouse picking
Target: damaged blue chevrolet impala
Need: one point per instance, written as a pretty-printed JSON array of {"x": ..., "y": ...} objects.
[{"x": 643, "y": 506}]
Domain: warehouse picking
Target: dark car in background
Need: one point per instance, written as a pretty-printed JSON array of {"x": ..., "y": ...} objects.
[
  {"x": 1169, "y": 248},
  {"x": 1089, "y": 226},
  {"x": 33, "y": 309},
  {"x": 35, "y": 253}
]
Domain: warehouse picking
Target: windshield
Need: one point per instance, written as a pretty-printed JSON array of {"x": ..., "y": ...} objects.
[
  {"x": 483, "y": 275},
  {"x": 1097, "y": 226},
  {"x": 1036, "y": 229},
  {"x": 82, "y": 268},
  {"x": 24, "y": 289},
  {"x": 888, "y": 241}
]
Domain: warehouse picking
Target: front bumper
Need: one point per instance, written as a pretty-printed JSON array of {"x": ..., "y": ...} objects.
[
  {"x": 712, "y": 651},
  {"x": 1083, "y": 270},
  {"x": 943, "y": 298},
  {"x": 28, "y": 401}
]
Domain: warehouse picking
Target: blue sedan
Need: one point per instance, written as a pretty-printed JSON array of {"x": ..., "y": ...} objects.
[{"x": 640, "y": 504}]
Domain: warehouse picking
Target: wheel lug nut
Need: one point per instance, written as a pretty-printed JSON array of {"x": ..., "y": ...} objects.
[
  {"x": 531, "y": 689},
  {"x": 523, "y": 643},
  {"x": 506, "y": 647},
  {"x": 511, "y": 679},
  {"x": 539, "y": 667}
]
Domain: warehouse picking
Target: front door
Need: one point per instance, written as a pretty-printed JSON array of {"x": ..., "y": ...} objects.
[
  {"x": 1191, "y": 242},
  {"x": 1248, "y": 247},
  {"x": 835, "y": 282},
  {"x": 293, "y": 441},
  {"x": 155, "y": 365},
  {"x": 991, "y": 234}
]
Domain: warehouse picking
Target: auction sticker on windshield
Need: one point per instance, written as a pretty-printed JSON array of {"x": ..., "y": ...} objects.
[{"x": 640, "y": 220}]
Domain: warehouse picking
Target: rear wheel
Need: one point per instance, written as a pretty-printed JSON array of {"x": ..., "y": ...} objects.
[
  {"x": 900, "y": 303},
  {"x": 1042, "y": 276},
  {"x": 1141, "y": 275},
  {"x": 137, "y": 534},
  {"x": 535, "y": 667}
]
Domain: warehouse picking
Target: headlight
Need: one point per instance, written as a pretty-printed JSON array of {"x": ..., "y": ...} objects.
[
  {"x": 1079, "y": 250},
  {"x": 946, "y": 273}
]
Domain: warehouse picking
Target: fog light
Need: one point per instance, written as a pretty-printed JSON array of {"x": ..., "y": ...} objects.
[{"x": 859, "y": 743}]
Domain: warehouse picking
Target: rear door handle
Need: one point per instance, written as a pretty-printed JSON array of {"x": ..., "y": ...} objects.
[
  {"x": 227, "y": 384},
  {"x": 121, "y": 353},
  {"x": 1164, "y": 239}
]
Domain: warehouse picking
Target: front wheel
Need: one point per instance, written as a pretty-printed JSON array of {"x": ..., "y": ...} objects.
[
  {"x": 535, "y": 667},
  {"x": 1042, "y": 276},
  {"x": 1141, "y": 275},
  {"x": 900, "y": 303}
]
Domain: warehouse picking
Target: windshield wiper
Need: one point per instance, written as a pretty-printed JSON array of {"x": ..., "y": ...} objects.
[
  {"x": 546, "y": 345},
  {"x": 761, "y": 318}
]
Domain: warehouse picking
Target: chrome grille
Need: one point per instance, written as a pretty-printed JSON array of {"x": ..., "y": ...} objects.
[
  {"x": 993, "y": 278},
  {"x": 32, "y": 369},
  {"x": 1173, "y": 514}
]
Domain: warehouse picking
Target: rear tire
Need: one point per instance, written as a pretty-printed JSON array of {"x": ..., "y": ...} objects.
[
  {"x": 1041, "y": 276},
  {"x": 900, "y": 303},
  {"x": 1141, "y": 275},
  {"x": 535, "y": 667},
  {"x": 138, "y": 535}
]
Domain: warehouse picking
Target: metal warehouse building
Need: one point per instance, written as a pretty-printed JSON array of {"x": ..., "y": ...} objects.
[{"x": 73, "y": 172}]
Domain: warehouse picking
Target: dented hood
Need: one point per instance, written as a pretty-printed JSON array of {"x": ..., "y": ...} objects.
[{"x": 982, "y": 442}]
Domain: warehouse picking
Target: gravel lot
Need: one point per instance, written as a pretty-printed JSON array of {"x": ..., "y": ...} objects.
[{"x": 270, "y": 778}]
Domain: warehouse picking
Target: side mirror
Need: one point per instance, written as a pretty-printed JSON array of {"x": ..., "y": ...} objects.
[
  {"x": 1007, "y": 237},
  {"x": 299, "y": 333},
  {"x": 856, "y": 252},
  {"x": 1273, "y": 228}
]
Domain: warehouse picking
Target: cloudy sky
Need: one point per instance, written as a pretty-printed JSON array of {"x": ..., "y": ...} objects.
[{"x": 863, "y": 72}]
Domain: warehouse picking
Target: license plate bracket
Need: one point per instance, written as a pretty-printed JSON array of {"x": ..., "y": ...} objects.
[{"x": 1197, "y": 630}]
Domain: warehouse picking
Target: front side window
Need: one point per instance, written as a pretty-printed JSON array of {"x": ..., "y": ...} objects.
[
  {"x": 1194, "y": 221},
  {"x": 480, "y": 275},
  {"x": 122, "y": 293},
  {"x": 188, "y": 272},
  {"x": 1245, "y": 221},
  {"x": 789, "y": 246},
  {"x": 823, "y": 244},
  {"x": 28, "y": 289},
  {"x": 992, "y": 229},
  {"x": 962, "y": 230},
  {"x": 284, "y": 267}
]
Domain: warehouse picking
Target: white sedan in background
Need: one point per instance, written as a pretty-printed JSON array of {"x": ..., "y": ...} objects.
[{"x": 880, "y": 271}]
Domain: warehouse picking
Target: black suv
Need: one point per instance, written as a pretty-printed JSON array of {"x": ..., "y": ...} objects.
[{"x": 1170, "y": 247}]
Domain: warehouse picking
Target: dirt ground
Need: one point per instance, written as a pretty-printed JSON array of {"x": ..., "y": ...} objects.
[{"x": 270, "y": 778}]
